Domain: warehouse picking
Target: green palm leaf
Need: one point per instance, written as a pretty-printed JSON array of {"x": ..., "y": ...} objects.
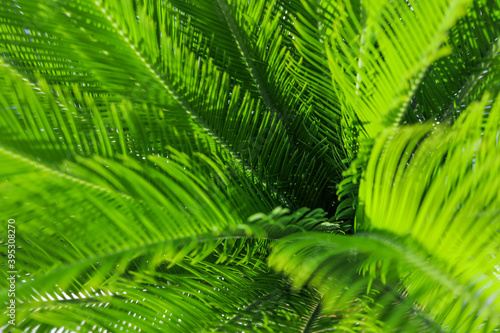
[
  {"x": 134, "y": 63},
  {"x": 428, "y": 217}
]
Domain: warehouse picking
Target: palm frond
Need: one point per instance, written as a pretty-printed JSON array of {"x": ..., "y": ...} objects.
[
  {"x": 428, "y": 217},
  {"x": 382, "y": 52},
  {"x": 156, "y": 53},
  {"x": 181, "y": 299},
  {"x": 103, "y": 221},
  {"x": 471, "y": 68}
]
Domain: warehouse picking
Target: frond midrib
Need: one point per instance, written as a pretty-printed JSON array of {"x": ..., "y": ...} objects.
[
  {"x": 59, "y": 174},
  {"x": 201, "y": 238},
  {"x": 313, "y": 316},
  {"x": 168, "y": 86},
  {"x": 245, "y": 52},
  {"x": 473, "y": 79}
]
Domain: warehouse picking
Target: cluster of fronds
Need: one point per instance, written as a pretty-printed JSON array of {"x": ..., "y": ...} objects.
[{"x": 158, "y": 157}]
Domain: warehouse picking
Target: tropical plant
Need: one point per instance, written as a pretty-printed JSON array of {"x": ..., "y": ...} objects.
[{"x": 250, "y": 165}]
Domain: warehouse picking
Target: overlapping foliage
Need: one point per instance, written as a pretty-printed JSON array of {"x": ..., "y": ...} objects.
[{"x": 155, "y": 156}]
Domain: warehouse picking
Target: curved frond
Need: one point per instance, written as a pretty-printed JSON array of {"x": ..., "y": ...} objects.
[
  {"x": 470, "y": 70},
  {"x": 382, "y": 52},
  {"x": 161, "y": 53},
  {"x": 103, "y": 222},
  {"x": 428, "y": 217}
]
